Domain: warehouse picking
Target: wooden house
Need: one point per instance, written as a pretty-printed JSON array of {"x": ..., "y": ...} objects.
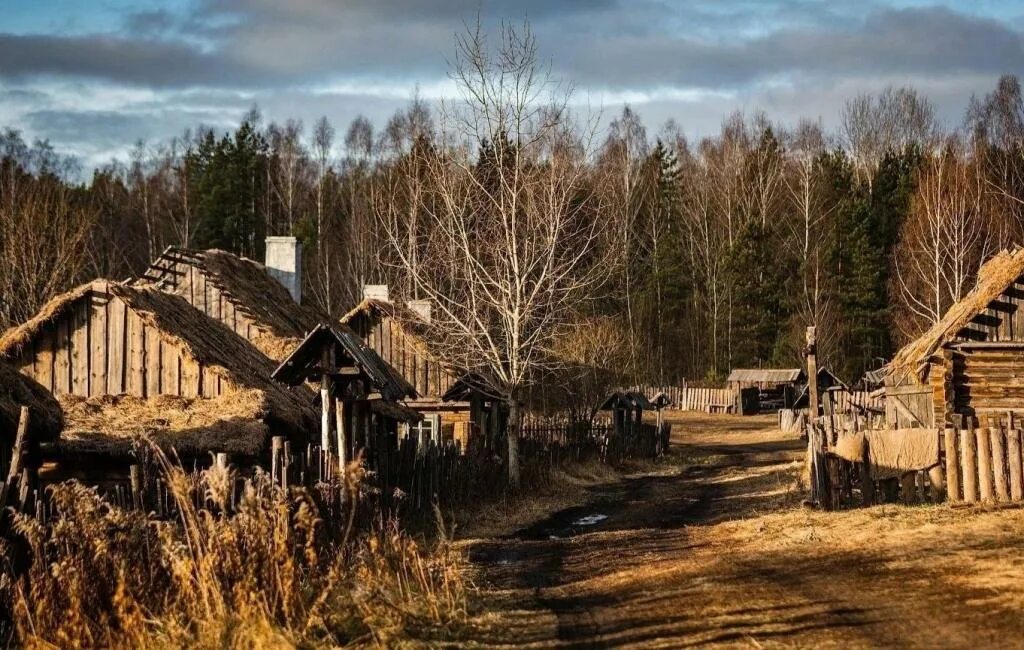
[
  {"x": 131, "y": 360},
  {"x": 399, "y": 335},
  {"x": 239, "y": 292},
  {"x": 971, "y": 362}
]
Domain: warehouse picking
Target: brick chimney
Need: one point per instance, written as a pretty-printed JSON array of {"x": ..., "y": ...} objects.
[{"x": 284, "y": 264}]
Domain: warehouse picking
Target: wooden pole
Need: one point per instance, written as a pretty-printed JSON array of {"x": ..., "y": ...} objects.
[
  {"x": 286, "y": 462},
  {"x": 985, "y": 485},
  {"x": 812, "y": 372},
  {"x": 1013, "y": 459},
  {"x": 325, "y": 411},
  {"x": 999, "y": 464},
  {"x": 276, "y": 449},
  {"x": 17, "y": 456},
  {"x": 969, "y": 461},
  {"x": 340, "y": 413},
  {"x": 952, "y": 465},
  {"x": 135, "y": 476}
]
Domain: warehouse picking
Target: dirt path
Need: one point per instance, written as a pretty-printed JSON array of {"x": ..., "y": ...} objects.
[{"x": 714, "y": 548}]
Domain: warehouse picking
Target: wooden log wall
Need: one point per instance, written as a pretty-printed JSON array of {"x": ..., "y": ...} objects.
[
  {"x": 102, "y": 347},
  {"x": 406, "y": 353}
]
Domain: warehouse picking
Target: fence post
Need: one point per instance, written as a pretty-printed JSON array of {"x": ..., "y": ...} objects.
[
  {"x": 276, "y": 449},
  {"x": 16, "y": 456},
  {"x": 135, "y": 476},
  {"x": 1014, "y": 459},
  {"x": 985, "y": 486},
  {"x": 969, "y": 459},
  {"x": 952, "y": 465},
  {"x": 999, "y": 464}
]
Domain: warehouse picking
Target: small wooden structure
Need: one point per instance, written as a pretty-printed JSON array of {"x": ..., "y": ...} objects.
[
  {"x": 238, "y": 292},
  {"x": 627, "y": 408},
  {"x": 400, "y": 334},
  {"x": 970, "y": 364},
  {"x": 777, "y": 387},
  {"x": 126, "y": 360},
  {"x": 360, "y": 394}
]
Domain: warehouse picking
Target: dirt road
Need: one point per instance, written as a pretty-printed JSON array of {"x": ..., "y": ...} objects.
[{"x": 714, "y": 548}]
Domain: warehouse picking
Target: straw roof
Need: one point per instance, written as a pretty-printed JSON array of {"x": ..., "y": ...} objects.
[
  {"x": 994, "y": 278},
  {"x": 180, "y": 324},
  {"x": 115, "y": 424},
  {"x": 17, "y": 390},
  {"x": 280, "y": 321}
]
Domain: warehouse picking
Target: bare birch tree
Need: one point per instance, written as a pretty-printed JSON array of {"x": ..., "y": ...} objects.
[{"x": 510, "y": 247}]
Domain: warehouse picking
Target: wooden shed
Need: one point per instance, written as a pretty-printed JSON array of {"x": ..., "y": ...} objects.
[
  {"x": 777, "y": 387},
  {"x": 237, "y": 291},
  {"x": 127, "y": 360},
  {"x": 399, "y": 335},
  {"x": 971, "y": 362}
]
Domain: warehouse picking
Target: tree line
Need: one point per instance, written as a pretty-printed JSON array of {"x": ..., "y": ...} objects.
[{"x": 700, "y": 256}]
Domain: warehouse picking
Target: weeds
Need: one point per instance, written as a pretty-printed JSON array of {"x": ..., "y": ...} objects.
[{"x": 271, "y": 573}]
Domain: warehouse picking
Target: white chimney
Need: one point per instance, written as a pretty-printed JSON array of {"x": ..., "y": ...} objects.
[
  {"x": 284, "y": 263},
  {"x": 421, "y": 308},
  {"x": 376, "y": 292}
]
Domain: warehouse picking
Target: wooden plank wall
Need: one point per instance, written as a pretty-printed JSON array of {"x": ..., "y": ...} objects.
[
  {"x": 407, "y": 354},
  {"x": 102, "y": 347},
  {"x": 988, "y": 380},
  {"x": 195, "y": 285}
]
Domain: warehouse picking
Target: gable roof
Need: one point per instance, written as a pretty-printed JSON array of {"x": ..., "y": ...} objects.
[
  {"x": 208, "y": 341},
  {"x": 766, "y": 375},
  {"x": 376, "y": 307},
  {"x": 250, "y": 289},
  {"x": 45, "y": 419},
  {"x": 295, "y": 369},
  {"x": 994, "y": 277}
]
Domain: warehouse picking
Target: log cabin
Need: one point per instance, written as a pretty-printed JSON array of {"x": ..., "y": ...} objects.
[
  {"x": 126, "y": 360},
  {"x": 969, "y": 364},
  {"x": 261, "y": 303},
  {"x": 398, "y": 334}
]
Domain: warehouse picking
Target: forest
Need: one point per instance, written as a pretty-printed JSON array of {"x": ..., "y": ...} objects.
[{"x": 725, "y": 248}]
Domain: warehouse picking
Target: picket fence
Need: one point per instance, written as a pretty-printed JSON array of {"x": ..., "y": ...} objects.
[{"x": 690, "y": 398}]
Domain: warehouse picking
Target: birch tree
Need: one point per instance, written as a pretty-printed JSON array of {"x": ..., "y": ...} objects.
[{"x": 510, "y": 243}]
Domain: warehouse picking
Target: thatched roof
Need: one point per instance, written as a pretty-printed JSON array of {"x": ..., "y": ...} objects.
[
  {"x": 994, "y": 278},
  {"x": 766, "y": 375},
  {"x": 113, "y": 425},
  {"x": 281, "y": 322},
  {"x": 17, "y": 390},
  {"x": 209, "y": 342}
]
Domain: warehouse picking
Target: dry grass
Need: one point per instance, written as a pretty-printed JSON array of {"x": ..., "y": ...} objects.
[
  {"x": 112, "y": 424},
  {"x": 273, "y": 574}
]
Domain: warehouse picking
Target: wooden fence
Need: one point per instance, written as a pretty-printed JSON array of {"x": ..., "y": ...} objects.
[
  {"x": 402, "y": 475},
  {"x": 689, "y": 398},
  {"x": 975, "y": 464}
]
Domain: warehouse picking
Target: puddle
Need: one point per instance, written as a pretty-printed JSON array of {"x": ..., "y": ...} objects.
[{"x": 589, "y": 520}]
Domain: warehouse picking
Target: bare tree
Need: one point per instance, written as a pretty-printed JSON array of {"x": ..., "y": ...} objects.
[{"x": 509, "y": 246}]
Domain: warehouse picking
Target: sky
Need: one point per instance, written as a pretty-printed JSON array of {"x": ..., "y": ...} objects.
[{"x": 95, "y": 77}]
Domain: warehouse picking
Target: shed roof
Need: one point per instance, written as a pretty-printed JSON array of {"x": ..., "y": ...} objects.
[
  {"x": 282, "y": 322},
  {"x": 994, "y": 278},
  {"x": 16, "y": 390},
  {"x": 296, "y": 368},
  {"x": 208, "y": 341},
  {"x": 766, "y": 375},
  {"x": 626, "y": 399}
]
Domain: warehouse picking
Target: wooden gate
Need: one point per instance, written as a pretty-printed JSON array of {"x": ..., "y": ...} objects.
[{"x": 909, "y": 407}]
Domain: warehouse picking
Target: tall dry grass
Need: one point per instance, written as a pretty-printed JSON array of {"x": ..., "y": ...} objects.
[{"x": 274, "y": 572}]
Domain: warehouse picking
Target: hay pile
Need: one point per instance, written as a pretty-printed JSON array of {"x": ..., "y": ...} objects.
[
  {"x": 113, "y": 424},
  {"x": 17, "y": 390}
]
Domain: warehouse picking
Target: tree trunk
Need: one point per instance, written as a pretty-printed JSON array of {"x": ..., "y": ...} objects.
[{"x": 512, "y": 432}]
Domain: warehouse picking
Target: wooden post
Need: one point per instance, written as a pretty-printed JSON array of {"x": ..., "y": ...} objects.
[
  {"x": 820, "y": 482},
  {"x": 812, "y": 372},
  {"x": 135, "y": 476},
  {"x": 276, "y": 449},
  {"x": 969, "y": 461},
  {"x": 341, "y": 410},
  {"x": 999, "y": 464},
  {"x": 908, "y": 487},
  {"x": 985, "y": 486},
  {"x": 952, "y": 465},
  {"x": 325, "y": 410},
  {"x": 1013, "y": 458},
  {"x": 222, "y": 460},
  {"x": 935, "y": 480},
  {"x": 17, "y": 453},
  {"x": 286, "y": 462}
]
